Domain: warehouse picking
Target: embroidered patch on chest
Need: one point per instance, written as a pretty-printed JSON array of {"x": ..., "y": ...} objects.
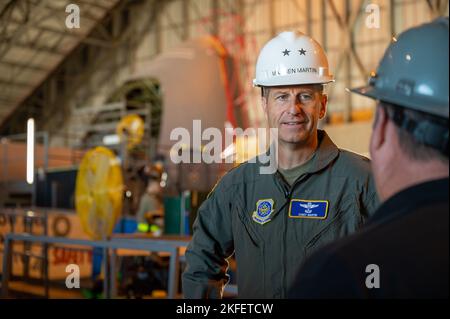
[
  {"x": 308, "y": 208},
  {"x": 264, "y": 209}
]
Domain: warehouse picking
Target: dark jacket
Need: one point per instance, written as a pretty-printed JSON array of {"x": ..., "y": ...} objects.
[
  {"x": 250, "y": 214},
  {"x": 407, "y": 239}
]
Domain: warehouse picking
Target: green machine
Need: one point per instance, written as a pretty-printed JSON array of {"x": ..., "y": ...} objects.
[
  {"x": 176, "y": 222},
  {"x": 176, "y": 214}
]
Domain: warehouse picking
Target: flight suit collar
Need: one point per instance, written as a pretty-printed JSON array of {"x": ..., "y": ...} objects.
[{"x": 326, "y": 152}]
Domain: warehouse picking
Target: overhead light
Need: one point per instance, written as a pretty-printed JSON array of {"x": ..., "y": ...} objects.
[
  {"x": 112, "y": 139},
  {"x": 30, "y": 151},
  {"x": 30, "y": 213}
]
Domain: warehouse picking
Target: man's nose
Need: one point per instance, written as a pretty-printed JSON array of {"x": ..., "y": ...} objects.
[{"x": 295, "y": 106}]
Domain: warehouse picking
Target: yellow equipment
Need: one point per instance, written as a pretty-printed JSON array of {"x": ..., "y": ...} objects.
[
  {"x": 98, "y": 192},
  {"x": 131, "y": 130}
]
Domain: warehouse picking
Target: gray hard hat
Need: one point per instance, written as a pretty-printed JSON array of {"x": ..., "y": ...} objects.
[{"x": 414, "y": 70}]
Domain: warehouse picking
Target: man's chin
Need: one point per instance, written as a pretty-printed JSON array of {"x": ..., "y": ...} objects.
[{"x": 296, "y": 140}]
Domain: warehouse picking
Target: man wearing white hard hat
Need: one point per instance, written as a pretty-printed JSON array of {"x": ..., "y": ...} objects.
[
  {"x": 272, "y": 222},
  {"x": 403, "y": 250}
]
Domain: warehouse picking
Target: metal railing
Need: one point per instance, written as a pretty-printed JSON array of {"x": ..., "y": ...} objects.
[{"x": 109, "y": 252}]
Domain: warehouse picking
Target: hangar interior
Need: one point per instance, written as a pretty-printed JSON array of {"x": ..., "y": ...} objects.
[{"x": 88, "y": 104}]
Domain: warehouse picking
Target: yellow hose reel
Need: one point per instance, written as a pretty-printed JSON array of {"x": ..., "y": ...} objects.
[
  {"x": 98, "y": 192},
  {"x": 131, "y": 130}
]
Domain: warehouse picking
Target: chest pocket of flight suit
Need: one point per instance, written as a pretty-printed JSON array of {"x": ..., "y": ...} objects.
[
  {"x": 345, "y": 219},
  {"x": 244, "y": 229},
  {"x": 249, "y": 251}
]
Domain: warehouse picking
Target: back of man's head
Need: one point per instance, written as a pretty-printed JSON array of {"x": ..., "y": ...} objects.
[
  {"x": 408, "y": 147},
  {"x": 422, "y": 137},
  {"x": 409, "y": 143}
]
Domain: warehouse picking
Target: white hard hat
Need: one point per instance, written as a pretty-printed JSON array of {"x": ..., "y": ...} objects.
[{"x": 292, "y": 58}]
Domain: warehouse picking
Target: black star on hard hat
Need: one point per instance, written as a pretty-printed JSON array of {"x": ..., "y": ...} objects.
[
  {"x": 286, "y": 52},
  {"x": 302, "y": 51}
]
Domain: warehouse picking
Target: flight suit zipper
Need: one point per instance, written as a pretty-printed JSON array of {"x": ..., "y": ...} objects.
[
  {"x": 283, "y": 287},
  {"x": 288, "y": 191}
]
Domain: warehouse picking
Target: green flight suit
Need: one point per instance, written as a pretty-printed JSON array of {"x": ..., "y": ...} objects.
[{"x": 269, "y": 254}]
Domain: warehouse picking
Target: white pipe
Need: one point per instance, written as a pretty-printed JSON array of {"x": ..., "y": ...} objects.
[{"x": 30, "y": 151}]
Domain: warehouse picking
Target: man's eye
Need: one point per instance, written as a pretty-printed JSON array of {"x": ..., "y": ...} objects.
[
  {"x": 282, "y": 97},
  {"x": 306, "y": 97}
]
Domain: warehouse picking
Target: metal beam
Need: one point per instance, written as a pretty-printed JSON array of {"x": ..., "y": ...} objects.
[
  {"x": 158, "y": 29},
  {"x": 215, "y": 7},
  {"x": 308, "y": 17},
  {"x": 179, "y": 29},
  {"x": 5, "y": 17},
  {"x": 94, "y": 4},
  {"x": 7, "y": 99},
  {"x": 392, "y": 17},
  {"x": 71, "y": 34},
  {"x": 19, "y": 70},
  {"x": 52, "y": 50},
  {"x": 5, "y": 6},
  {"x": 102, "y": 57},
  {"x": 185, "y": 16},
  {"x": 323, "y": 14},
  {"x": 60, "y": 12},
  {"x": 437, "y": 7},
  {"x": 306, "y": 13},
  {"x": 194, "y": 5},
  {"x": 16, "y": 64},
  {"x": 34, "y": 47},
  {"x": 92, "y": 110},
  {"x": 5, "y": 45},
  {"x": 11, "y": 116},
  {"x": 440, "y": 7},
  {"x": 272, "y": 18},
  {"x": 348, "y": 27},
  {"x": 15, "y": 83},
  {"x": 347, "y": 24},
  {"x": 348, "y": 98}
]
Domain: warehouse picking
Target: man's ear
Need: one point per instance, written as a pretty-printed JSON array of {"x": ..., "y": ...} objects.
[
  {"x": 379, "y": 128},
  {"x": 264, "y": 103},
  {"x": 323, "y": 106}
]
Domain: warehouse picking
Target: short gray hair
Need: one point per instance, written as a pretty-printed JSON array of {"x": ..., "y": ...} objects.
[
  {"x": 265, "y": 90},
  {"x": 413, "y": 148}
]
